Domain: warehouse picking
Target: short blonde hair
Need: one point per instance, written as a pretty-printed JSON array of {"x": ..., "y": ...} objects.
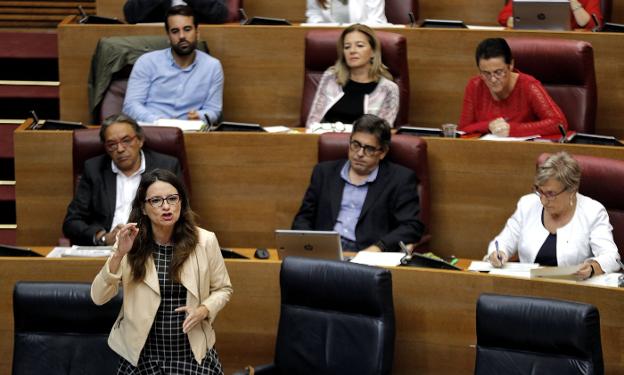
[
  {"x": 377, "y": 68},
  {"x": 563, "y": 168}
]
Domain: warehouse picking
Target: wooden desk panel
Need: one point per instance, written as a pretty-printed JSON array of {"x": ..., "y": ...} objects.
[
  {"x": 435, "y": 312},
  {"x": 247, "y": 185},
  {"x": 477, "y": 12},
  {"x": 244, "y": 185},
  {"x": 263, "y": 68}
]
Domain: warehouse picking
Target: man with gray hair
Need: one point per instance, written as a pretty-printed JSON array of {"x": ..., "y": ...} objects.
[{"x": 108, "y": 185}]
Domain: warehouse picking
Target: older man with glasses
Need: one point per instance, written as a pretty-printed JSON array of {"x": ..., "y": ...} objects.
[
  {"x": 105, "y": 192},
  {"x": 372, "y": 203}
]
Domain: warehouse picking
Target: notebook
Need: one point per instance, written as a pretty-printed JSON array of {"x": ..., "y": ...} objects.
[
  {"x": 308, "y": 244},
  {"x": 541, "y": 14}
]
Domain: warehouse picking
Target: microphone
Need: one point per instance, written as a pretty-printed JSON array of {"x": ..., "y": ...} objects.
[
  {"x": 243, "y": 16},
  {"x": 209, "y": 124},
  {"x": 564, "y": 135},
  {"x": 597, "y": 25},
  {"x": 412, "y": 19}
]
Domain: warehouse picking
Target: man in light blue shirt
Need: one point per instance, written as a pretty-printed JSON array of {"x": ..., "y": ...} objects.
[{"x": 180, "y": 82}]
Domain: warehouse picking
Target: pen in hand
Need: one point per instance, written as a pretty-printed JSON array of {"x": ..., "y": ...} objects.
[{"x": 498, "y": 254}]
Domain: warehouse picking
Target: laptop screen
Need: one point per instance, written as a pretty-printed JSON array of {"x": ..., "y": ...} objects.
[
  {"x": 308, "y": 244},
  {"x": 541, "y": 14}
]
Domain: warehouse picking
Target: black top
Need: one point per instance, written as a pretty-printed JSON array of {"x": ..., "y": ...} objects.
[
  {"x": 351, "y": 106},
  {"x": 547, "y": 255}
]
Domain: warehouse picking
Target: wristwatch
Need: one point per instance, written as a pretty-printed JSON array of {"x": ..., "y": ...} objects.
[{"x": 102, "y": 240}]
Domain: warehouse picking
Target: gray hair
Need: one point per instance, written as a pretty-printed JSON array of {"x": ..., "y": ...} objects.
[
  {"x": 563, "y": 168},
  {"x": 119, "y": 118}
]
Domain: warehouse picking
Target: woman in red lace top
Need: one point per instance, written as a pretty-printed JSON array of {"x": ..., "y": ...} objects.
[
  {"x": 505, "y": 102},
  {"x": 580, "y": 14}
]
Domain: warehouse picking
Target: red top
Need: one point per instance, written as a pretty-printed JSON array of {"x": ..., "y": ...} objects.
[
  {"x": 590, "y": 6},
  {"x": 528, "y": 109}
]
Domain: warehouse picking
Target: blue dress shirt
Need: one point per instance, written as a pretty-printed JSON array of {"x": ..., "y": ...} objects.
[
  {"x": 159, "y": 88},
  {"x": 353, "y": 197}
]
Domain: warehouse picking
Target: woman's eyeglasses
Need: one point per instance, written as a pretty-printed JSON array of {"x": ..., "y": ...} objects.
[
  {"x": 498, "y": 74},
  {"x": 549, "y": 195},
  {"x": 157, "y": 202}
]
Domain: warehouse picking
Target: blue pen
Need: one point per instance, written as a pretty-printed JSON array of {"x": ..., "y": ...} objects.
[{"x": 498, "y": 254}]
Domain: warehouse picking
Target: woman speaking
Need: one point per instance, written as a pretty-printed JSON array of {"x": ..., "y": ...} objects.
[{"x": 174, "y": 283}]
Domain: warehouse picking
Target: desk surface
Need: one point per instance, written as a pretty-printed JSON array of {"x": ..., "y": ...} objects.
[
  {"x": 264, "y": 67},
  {"x": 434, "y": 309},
  {"x": 247, "y": 185}
]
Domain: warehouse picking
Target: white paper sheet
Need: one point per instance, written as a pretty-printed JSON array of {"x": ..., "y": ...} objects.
[
  {"x": 606, "y": 279},
  {"x": 81, "y": 252},
  {"x": 554, "y": 271},
  {"x": 492, "y": 137},
  {"x": 482, "y": 266},
  {"x": 383, "y": 259},
  {"x": 185, "y": 125}
]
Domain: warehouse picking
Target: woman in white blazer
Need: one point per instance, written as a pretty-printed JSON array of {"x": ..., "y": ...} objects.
[
  {"x": 346, "y": 11},
  {"x": 174, "y": 283},
  {"x": 558, "y": 226}
]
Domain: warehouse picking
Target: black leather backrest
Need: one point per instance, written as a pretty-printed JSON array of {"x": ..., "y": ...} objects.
[
  {"x": 336, "y": 318},
  {"x": 59, "y": 330},
  {"x": 528, "y": 335}
]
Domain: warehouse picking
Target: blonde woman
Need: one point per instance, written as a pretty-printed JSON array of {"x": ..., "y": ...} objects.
[
  {"x": 558, "y": 226},
  {"x": 357, "y": 84}
]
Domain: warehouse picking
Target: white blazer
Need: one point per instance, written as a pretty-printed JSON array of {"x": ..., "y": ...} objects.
[
  {"x": 360, "y": 11},
  {"x": 587, "y": 236}
]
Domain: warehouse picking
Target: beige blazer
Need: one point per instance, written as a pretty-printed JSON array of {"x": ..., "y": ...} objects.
[{"x": 203, "y": 275}]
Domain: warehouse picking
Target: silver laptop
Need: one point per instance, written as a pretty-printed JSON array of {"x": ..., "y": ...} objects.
[
  {"x": 541, "y": 14},
  {"x": 308, "y": 243}
]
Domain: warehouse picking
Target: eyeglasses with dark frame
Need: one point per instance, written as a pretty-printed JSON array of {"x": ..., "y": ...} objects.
[
  {"x": 157, "y": 202},
  {"x": 355, "y": 146},
  {"x": 498, "y": 73},
  {"x": 548, "y": 195},
  {"x": 113, "y": 146}
]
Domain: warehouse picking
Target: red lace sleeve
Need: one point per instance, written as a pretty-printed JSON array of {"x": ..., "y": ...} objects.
[
  {"x": 545, "y": 109},
  {"x": 468, "y": 119}
]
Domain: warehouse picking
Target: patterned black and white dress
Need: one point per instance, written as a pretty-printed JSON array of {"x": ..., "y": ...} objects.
[{"x": 167, "y": 349}]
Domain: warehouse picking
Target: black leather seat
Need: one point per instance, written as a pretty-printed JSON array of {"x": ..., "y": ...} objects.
[
  {"x": 526, "y": 335},
  {"x": 336, "y": 318},
  {"x": 60, "y": 331}
]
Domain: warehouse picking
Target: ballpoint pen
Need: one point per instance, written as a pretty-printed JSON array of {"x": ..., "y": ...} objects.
[{"x": 498, "y": 254}]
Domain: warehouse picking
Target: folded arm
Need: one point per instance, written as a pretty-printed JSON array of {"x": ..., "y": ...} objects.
[
  {"x": 405, "y": 211},
  {"x": 545, "y": 109},
  {"x": 136, "y": 94}
]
